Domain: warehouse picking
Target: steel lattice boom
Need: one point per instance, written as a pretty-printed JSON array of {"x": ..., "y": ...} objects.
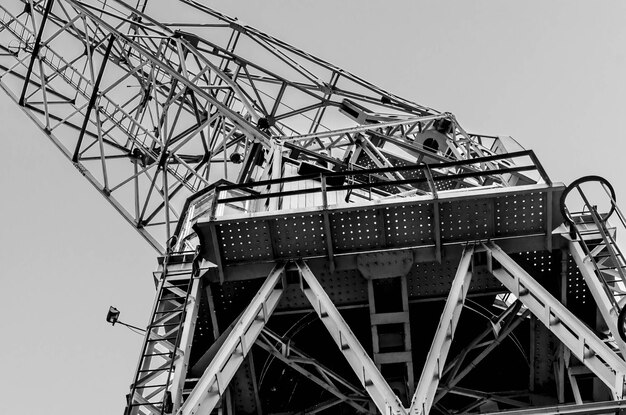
[
  {"x": 151, "y": 113},
  {"x": 324, "y": 245}
]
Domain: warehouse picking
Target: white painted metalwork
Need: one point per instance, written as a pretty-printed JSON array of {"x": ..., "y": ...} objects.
[
  {"x": 436, "y": 359},
  {"x": 321, "y": 166},
  {"x": 601, "y": 292},
  {"x": 376, "y": 386},
  {"x": 164, "y": 358},
  {"x": 212, "y": 385},
  {"x": 576, "y": 336}
]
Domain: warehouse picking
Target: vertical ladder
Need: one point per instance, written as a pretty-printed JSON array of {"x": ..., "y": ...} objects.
[
  {"x": 599, "y": 258},
  {"x": 391, "y": 333},
  {"x": 155, "y": 391},
  {"x": 602, "y": 251}
]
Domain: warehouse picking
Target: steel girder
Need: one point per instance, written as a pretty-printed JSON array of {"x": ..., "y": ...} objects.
[
  {"x": 506, "y": 322},
  {"x": 436, "y": 359},
  {"x": 212, "y": 385},
  {"x": 313, "y": 370},
  {"x": 574, "y": 334},
  {"x": 590, "y": 408},
  {"x": 151, "y": 112},
  {"x": 361, "y": 363},
  {"x": 603, "y": 293}
]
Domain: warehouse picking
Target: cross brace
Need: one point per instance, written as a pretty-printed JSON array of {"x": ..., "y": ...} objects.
[
  {"x": 212, "y": 385},
  {"x": 577, "y": 337},
  {"x": 436, "y": 359},
  {"x": 375, "y": 384}
]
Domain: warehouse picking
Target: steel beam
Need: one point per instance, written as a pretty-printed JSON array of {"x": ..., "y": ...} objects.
[
  {"x": 578, "y": 409},
  {"x": 370, "y": 377},
  {"x": 213, "y": 383},
  {"x": 504, "y": 333},
  {"x": 504, "y": 397},
  {"x": 186, "y": 339},
  {"x": 433, "y": 368},
  {"x": 574, "y": 334},
  {"x": 296, "y": 360},
  {"x": 608, "y": 311},
  {"x": 503, "y": 321}
]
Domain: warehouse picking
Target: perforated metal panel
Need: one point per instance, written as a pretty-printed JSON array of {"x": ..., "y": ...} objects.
[
  {"x": 434, "y": 280},
  {"x": 579, "y": 298},
  {"x": 245, "y": 241},
  {"x": 346, "y": 287},
  {"x": 577, "y": 290},
  {"x": 356, "y": 230},
  {"x": 463, "y": 216},
  {"x": 409, "y": 224},
  {"x": 299, "y": 235},
  {"x": 517, "y": 214},
  {"x": 466, "y": 219},
  {"x": 231, "y": 297}
]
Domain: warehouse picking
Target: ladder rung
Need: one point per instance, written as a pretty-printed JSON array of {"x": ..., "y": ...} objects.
[
  {"x": 171, "y": 297},
  {"x": 600, "y": 256},
  {"x": 163, "y": 369},
  {"x": 157, "y": 354},
  {"x": 164, "y": 325},
  {"x": 176, "y": 310},
  {"x": 150, "y": 386},
  {"x": 155, "y": 404},
  {"x": 162, "y": 339}
]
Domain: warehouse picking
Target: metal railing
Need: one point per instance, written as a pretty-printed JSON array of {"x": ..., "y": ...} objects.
[
  {"x": 226, "y": 199},
  {"x": 372, "y": 184}
]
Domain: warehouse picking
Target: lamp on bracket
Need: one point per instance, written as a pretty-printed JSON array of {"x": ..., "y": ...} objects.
[{"x": 113, "y": 316}]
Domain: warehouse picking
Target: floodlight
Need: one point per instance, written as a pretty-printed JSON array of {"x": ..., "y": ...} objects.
[{"x": 113, "y": 315}]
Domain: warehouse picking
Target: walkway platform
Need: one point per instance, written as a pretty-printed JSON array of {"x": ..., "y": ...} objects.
[{"x": 519, "y": 218}]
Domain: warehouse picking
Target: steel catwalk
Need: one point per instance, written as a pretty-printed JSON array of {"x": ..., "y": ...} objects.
[{"x": 323, "y": 245}]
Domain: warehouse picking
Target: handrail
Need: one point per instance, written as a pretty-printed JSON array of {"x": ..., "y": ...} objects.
[
  {"x": 456, "y": 163},
  {"x": 365, "y": 185}
]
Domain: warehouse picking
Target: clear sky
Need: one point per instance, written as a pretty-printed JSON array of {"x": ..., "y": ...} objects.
[{"x": 549, "y": 73}]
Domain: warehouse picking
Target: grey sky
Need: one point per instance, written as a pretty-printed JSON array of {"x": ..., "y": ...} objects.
[{"x": 549, "y": 73}]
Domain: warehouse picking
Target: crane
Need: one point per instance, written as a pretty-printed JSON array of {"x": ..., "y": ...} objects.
[{"x": 315, "y": 153}]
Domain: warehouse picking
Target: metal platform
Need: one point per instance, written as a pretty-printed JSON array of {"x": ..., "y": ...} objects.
[
  {"x": 327, "y": 247},
  {"x": 519, "y": 218}
]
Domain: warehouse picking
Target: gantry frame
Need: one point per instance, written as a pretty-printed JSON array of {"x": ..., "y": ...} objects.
[{"x": 155, "y": 113}]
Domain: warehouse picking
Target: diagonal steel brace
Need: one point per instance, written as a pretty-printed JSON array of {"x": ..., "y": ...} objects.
[{"x": 213, "y": 382}]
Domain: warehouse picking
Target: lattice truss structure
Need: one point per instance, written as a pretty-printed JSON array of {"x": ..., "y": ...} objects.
[
  {"x": 320, "y": 237},
  {"x": 151, "y": 112}
]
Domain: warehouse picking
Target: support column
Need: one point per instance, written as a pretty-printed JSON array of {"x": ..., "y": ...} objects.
[
  {"x": 370, "y": 377},
  {"x": 212, "y": 385},
  {"x": 436, "y": 359},
  {"x": 391, "y": 336},
  {"x": 574, "y": 334}
]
